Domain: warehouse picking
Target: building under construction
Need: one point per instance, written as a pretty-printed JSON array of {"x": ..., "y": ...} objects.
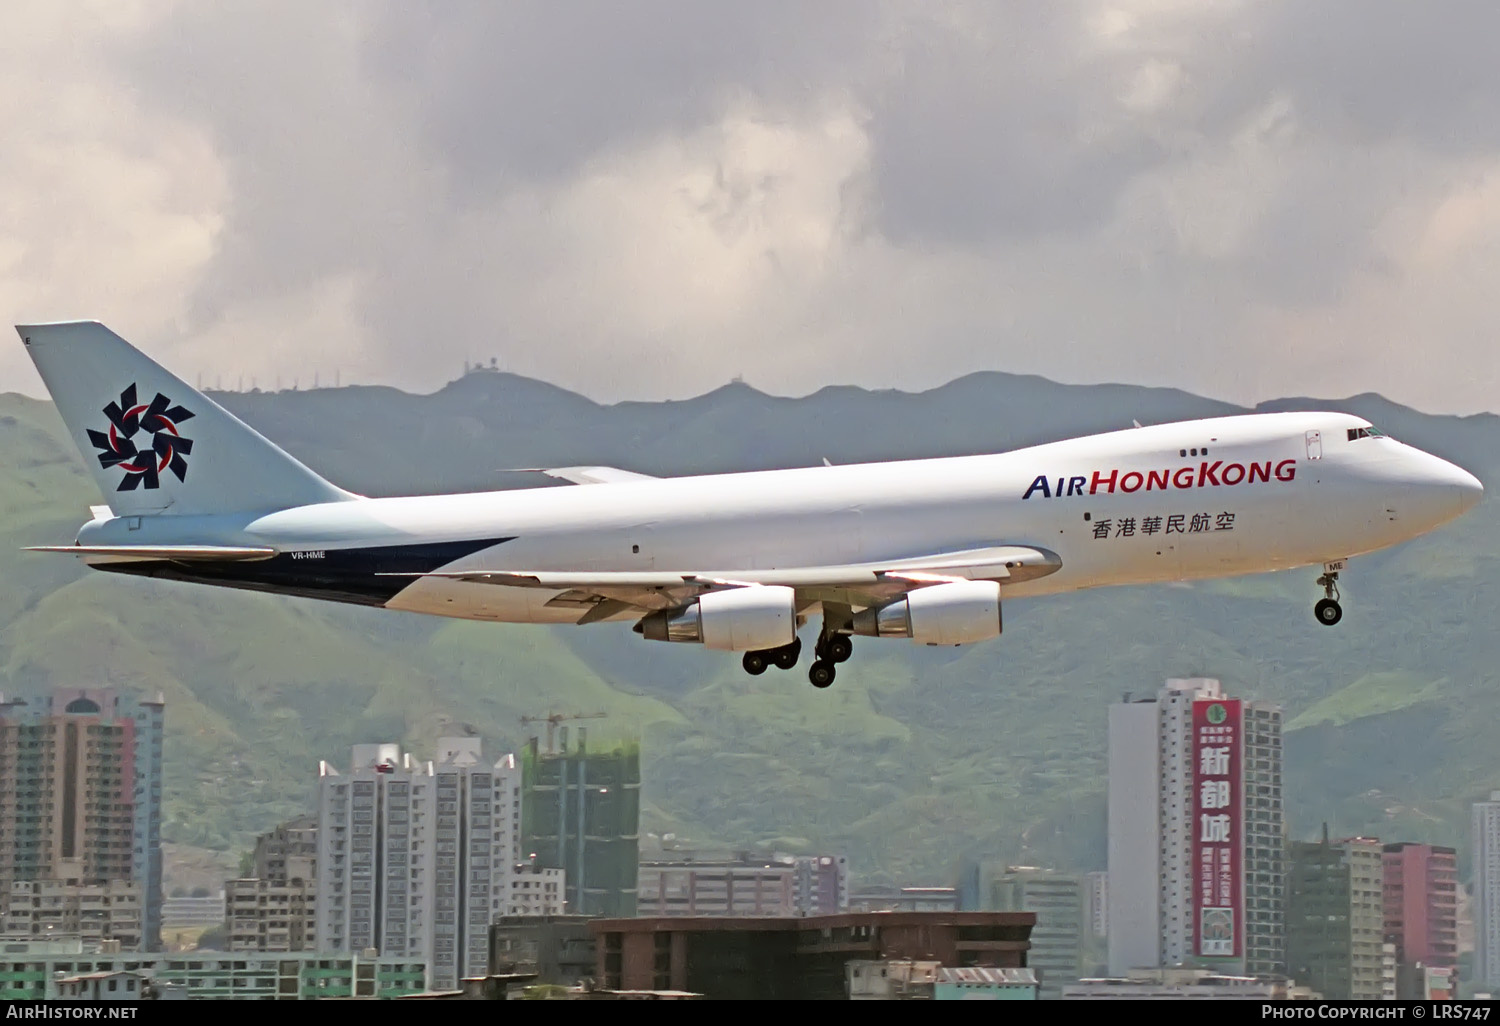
[{"x": 581, "y": 813}]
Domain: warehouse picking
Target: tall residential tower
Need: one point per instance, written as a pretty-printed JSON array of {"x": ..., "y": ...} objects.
[
  {"x": 1195, "y": 831},
  {"x": 1421, "y": 907},
  {"x": 415, "y": 859},
  {"x": 1486, "y": 841},
  {"x": 80, "y": 793}
]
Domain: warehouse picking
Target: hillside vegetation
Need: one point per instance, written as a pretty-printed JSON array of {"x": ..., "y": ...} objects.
[{"x": 913, "y": 760}]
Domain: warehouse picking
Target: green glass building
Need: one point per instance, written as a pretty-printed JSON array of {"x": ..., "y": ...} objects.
[{"x": 581, "y": 813}]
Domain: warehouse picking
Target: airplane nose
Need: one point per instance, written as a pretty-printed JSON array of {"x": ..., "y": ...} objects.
[
  {"x": 1470, "y": 491},
  {"x": 1419, "y": 491},
  {"x": 1459, "y": 489}
]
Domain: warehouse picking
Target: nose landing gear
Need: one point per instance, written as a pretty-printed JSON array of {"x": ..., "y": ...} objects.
[{"x": 1328, "y": 611}]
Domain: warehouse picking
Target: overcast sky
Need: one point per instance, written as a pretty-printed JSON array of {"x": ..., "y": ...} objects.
[{"x": 646, "y": 199}]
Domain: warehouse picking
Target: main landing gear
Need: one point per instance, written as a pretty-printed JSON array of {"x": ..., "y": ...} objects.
[
  {"x": 831, "y": 649},
  {"x": 1328, "y": 611},
  {"x": 783, "y": 658}
]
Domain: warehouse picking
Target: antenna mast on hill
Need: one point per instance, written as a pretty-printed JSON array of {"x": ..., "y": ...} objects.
[{"x": 553, "y": 719}]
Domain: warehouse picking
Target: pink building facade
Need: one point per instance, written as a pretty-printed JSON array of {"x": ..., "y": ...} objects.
[{"x": 1421, "y": 903}]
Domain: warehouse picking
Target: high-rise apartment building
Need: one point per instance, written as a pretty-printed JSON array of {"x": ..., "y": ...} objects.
[
  {"x": 581, "y": 814},
  {"x": 1485, "y": 838},
  {"x": 1060, "y": 901},
  {"x": 416, "y": 858},
  {"x": 1195, "y": 831},
  {"x": 1335, "y": 917},
  {"x": 80, "y": 793},
  {"x": 275, "y": 909},
  {"x": 1421, "y": 905}
]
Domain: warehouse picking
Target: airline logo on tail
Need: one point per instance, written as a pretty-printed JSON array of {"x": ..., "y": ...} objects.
[{"x": 143, "y": 463}]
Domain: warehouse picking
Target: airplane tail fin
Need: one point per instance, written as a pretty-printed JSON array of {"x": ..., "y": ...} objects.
[{"x": 154, "y": 444}]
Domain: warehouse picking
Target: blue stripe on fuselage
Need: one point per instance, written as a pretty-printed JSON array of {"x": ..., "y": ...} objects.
[{"x": 336, "y": 575}]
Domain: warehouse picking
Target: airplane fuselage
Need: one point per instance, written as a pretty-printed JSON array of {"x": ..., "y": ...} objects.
[{"x": 1180, "y": 501}]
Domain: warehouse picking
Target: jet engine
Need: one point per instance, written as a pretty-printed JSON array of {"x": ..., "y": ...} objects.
[
  {"x": 942, "y": 614},
  {"x": 736, "y": 620}
]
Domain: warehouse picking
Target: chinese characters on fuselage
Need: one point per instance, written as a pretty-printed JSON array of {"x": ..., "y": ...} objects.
[{"x": 1173, "y": 523}]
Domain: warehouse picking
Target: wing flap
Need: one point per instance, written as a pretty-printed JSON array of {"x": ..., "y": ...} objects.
[
  {"x": 600, "y": 595},
  {"x": 1010, "y": 562}
]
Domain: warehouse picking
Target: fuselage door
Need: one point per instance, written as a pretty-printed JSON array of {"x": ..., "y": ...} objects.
[{"x": 1315, "y": 445}]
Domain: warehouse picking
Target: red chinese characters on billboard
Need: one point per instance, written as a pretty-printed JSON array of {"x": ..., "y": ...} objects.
[{"x": 1218, "y": 833}]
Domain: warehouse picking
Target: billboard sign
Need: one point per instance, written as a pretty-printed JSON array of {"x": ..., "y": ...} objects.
[{"x": 1218, "y": 829}]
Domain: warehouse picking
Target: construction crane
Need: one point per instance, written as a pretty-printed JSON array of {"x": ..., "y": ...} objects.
[{"x": 553, "y": 719}]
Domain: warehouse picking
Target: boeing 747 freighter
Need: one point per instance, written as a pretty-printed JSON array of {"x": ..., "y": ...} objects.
[{"x": 923, "y": 550}]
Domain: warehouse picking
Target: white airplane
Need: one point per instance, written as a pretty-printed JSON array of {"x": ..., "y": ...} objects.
[{"x": 921, "y": 549}]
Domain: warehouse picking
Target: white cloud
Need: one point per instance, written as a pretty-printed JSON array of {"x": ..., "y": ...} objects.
[
  {"x": 108, "y": 210},
  {"x": 1232, "y": 198}
]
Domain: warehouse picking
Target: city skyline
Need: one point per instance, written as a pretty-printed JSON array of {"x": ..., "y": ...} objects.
[{"x": 1191, "y": 731}]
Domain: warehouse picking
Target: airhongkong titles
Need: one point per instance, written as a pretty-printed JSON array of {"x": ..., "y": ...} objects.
[{"x": 1205, "y": 475}]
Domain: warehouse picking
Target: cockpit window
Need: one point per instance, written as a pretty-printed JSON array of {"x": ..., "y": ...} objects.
[{"x": 1365, "y": 432}]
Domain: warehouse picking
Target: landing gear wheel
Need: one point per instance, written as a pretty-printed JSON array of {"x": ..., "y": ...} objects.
[
  {"x": 786, "y": 656},
  {"x": 821, "y": 674},
  {"x": 838, "y": 648},
  {"x": 755, "y": 663},
  {"x": 1328, "y": 611}
]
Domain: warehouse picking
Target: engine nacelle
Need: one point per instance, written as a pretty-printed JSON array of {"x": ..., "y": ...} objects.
[
  {"x": 957, "y": 613},
  {"x": 734, "y": 620}
]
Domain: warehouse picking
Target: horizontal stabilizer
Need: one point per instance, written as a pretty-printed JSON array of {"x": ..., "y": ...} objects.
[{"x": 190, "y": 552}]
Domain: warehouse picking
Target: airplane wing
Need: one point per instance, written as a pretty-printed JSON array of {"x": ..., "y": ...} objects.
[
  {"x": 626, "y": 594},
  {"x": 590, "y": 475}
]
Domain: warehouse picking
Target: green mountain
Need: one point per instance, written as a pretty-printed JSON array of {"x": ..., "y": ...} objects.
[{"x": 913, "y": 760}]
